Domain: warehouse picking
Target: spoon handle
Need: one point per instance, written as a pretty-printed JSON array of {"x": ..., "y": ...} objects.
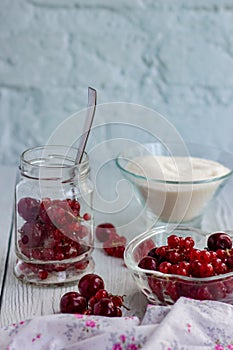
[{"x": 91, "y": 107}]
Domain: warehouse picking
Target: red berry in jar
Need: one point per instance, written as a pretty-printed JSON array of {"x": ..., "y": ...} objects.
[
  {"x": 219, "y": 240},
  {"x": 72, "y": 303},
  {"x": 28, "y": 208},
  {"x": 31, "y": 234},
  {"x": 42, "y": 274},
  {"x": 90, "y": 284}
]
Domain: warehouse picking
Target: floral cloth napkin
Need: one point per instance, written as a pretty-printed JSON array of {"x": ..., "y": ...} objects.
[{"x": 188, "y": 324}]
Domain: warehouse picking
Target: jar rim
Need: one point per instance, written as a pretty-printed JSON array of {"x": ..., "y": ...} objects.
[
  {"x": 53, "y": 162},
  {"x": 85, "y": 159}
]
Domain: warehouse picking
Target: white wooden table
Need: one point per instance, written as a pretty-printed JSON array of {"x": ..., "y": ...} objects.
[{"x": 20, "y": 301}]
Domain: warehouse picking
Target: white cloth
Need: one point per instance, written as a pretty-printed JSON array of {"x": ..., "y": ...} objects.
[{"x": 187, "y": 325}]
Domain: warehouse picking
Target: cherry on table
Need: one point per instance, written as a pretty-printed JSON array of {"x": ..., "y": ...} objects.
[
  {"x": 105, "y": 307},
  {"x": 73, "y": 302},
  {"x": 89, "y": 285},
  {"x": 104, "y": 230}
]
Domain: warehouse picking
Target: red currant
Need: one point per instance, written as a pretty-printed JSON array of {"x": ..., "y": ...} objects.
[
  {"x": 42, "y": 274},
  {"x": 173, "y": 241},
  {"x": 165, "y": 267},
  {"x": 204, "y": 256},
  {"x": 86, "y": 217}
]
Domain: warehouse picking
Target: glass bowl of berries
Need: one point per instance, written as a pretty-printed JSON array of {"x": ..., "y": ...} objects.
[{"x": 169, "y": 262}]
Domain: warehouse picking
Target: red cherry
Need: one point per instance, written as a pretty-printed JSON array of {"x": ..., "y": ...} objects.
[
  {"x": 219, "y": 240},
  {"x": 28, "y": 208},
  {"x": 43, "y": 216},
  {"x": 104, "y": 230},
  {"x": 102, "y": 293},
  {"x": 32, "y": 234},
  {"x": 90, "y": 284},
  {"x": 148, "y": 263},
  {"x": 115, "y": 245},
  {"x": 105, "y": 307},
  {"x": 73, "y": 302}
]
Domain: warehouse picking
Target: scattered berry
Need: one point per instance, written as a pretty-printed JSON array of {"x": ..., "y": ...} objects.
[
  {"x": 105, "y": 307},
  {"x": 104, "y": 230},
  {"x": 72, "y": 303},
  {"x": 91, "y": 299},
  {"x": 115, "y": 245},
  {"x": 90, "y": 284}
]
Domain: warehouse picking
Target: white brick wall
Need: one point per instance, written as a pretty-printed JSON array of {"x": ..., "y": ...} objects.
[{"x": 173, "y": 56}]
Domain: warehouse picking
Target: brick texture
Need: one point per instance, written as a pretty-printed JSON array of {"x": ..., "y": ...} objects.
[{"x": 173, "y": 56}]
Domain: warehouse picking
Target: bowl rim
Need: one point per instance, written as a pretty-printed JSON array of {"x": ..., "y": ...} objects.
[
  {"x": 166, "y": 229},
  {"x": 120, "y": 157}
]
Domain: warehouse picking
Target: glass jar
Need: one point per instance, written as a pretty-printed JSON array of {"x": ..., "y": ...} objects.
[{"x": 53, "y": 217}]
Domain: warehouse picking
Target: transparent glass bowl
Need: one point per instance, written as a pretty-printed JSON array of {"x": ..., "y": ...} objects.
[
  {"x": 174, "y": 201},
  {"x": 165, "y": 289}
]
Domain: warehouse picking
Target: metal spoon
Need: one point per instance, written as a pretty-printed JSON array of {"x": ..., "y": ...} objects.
[{"x": 92, "y": 98}]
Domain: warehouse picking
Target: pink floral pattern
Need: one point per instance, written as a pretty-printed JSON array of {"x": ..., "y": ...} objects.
[
  {"x": 90, "y": 323},
  {"x": 202, "y": 323}
]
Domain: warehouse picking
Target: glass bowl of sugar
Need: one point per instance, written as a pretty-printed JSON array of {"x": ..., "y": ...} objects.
[{"x": 175, "y": 186}]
